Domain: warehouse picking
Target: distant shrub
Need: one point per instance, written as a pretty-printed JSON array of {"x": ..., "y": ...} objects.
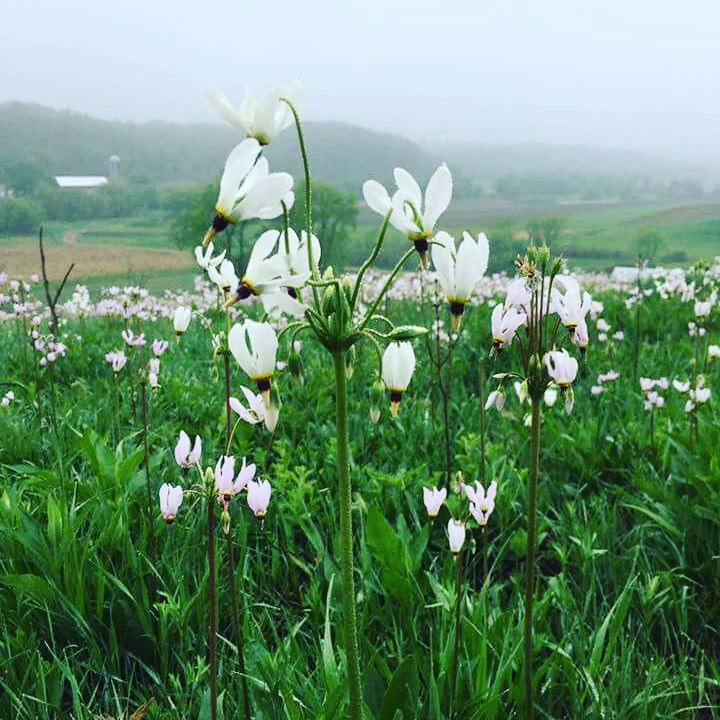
[
  {"x": 20, "y": 216},
  {"x": 677, "y": 256}
]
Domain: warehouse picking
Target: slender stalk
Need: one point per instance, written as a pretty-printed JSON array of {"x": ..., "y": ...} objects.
[
  {"x": 369, "y": 260},
  {"x": 117, "y": 406},
  {"x": 347, "y": 563},
  {"x": 238, "y": 628},
  {"x": 695, "y": 365},
  {"x": 312, "y": 260},
  {"x": 636, "y": 341},
  {"x": 212, "y": 614},
  {"x": 481, "y": 390},
  {"x": 388, "y": 283},
  {"x": 652, "y": 430},
  {"x": 228, "y": 409},
  {"x": 237, "y": 625},
  {"x": 444, "y": 388},
  {"x": 530, "y": 559},
  {"x": 146, "y": 448},
  {"x": 51, "y": 301},
  {"x": 56, "y": 431},
  {"x": 458, "y": 633},
  {"x": 485, "y": 554}
]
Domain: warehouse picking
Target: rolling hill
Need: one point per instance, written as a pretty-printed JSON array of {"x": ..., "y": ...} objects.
[{"x": 167, "y": 154}]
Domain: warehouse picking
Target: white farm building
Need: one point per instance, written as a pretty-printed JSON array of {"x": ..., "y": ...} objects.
[{"x": 80, "y": 182}]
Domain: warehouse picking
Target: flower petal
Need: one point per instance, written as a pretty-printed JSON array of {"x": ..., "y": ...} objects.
[
  {"x": 219, "y": 102},
  {"x": 238, "y": 164},
  {"x": 376, "y": 197},
  {"x": 408, "y": 188},
  {"x": 443, "y": 257},
  {"x": 437, "y": 196}
]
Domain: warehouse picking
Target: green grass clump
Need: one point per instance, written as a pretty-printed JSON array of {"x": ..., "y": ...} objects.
[{"x": 101, "y": 609}]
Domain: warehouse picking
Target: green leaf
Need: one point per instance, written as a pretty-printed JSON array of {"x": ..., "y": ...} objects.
[
  {"x": 392, "y": 555},
  {"x": 30, "y": 585},
  {"x": 205, "y": 713},
  {"x": 405, "y": 332},
  {"x": 614, "y": 622},
  {"x": 402, "y": 693},
  {"x": 328, "y": 655}
]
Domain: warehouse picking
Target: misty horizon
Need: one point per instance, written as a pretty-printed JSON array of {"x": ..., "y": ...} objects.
[{"x": 607, "y": 75}]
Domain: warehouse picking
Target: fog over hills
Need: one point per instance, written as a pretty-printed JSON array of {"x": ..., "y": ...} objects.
[{"x": 66, "y": 142}]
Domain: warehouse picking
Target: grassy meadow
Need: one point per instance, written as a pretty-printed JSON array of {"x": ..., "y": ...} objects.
[
  {"x": 261, "y": 516},
  {"x": 595, "y": 237},
  {"x": 104, "y": 606}
]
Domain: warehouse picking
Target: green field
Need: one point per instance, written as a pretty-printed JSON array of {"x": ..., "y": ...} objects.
[
  {"x": 594, "y": 237},
  {"x": 103, "y": 606}
]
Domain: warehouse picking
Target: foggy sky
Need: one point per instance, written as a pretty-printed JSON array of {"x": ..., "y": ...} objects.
[{"x": 640, "y": 74}]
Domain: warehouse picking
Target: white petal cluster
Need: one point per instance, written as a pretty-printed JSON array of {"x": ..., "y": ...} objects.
[
  {"x": 505, "y": 322},
  {"x": 412, "y": 213},
  {"x": 561, "y": 367},
  {"x": 171, "y": 498},
  {"x": 254, "y": 346},
  {"x": 181, "y": 319},
  {"x": 571, "y": 306},
  {"x": 398, "y": 365},
  {"x": 482, "y": 503},
  {"x": 223, "y": 276},
  {"x": 261, "y": 118},
  {"x": 278, "y": 260},
  {"x": 456, "y": 535},
  {"x": 459, "y": 270},
  {"x": 433, "y": 500},
  {"x": 258, "y": 497},
  {"x": 249, "y": 190},
  {"x": 186, "y": 454}
]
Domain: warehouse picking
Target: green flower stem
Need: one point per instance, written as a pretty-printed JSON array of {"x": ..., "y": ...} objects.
[
  {"x": 212, "y": 614},
  {"x": 694, "y": 435},
  {"x": 485, "y": 556},
  {"x": 530, "y": 559},
  {"x": 458, "y": 633},
  {"x": 347, "y": 563},
  {"x": 652, "y": 430},
  {"x": 481, "y": 390},
  {"x": 313, "y": 261},
  {"x": 370, "y": 260},
  {"x": 117, "y": 406},
  {"x": 238, "y": 628},
  {"x": 443, "y": 386},
  {"x": 146, "y": 447},
  {"x": 636, "y": 339},
  {"x": 237, "y": 625},
  {"x": 228, "y": 409},
  {"x": 388, "y": 283}
]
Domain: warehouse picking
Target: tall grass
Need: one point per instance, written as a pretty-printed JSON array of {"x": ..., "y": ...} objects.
[{"x": 101, "y": 611}]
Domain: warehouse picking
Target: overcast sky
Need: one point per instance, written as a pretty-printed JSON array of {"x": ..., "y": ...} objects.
[{"x": 641, "y": 74}]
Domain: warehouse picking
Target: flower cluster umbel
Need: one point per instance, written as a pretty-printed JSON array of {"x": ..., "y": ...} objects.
[
  {"x": 481, "y": 503},
  {"x": 538, "y": 303},
  {"x": 220, "y": 482},
  {"x": 283, "y": 270}
]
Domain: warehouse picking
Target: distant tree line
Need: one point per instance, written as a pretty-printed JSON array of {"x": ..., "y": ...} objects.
[
  {"x": 190, "y": 212},
  {"x": 31, "y": 198},
  {"x": 521, "y": 188}
]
